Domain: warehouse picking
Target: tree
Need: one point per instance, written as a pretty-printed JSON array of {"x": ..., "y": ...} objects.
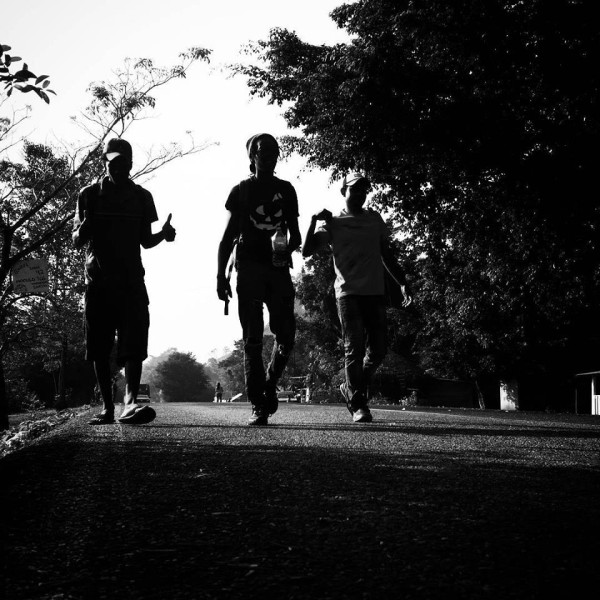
[
  {"x": 37, "y": 199},
  {"x": 22, "y": 80},
  {"x": 149, "y": 369},
  {"x": 318, "y": 337},
  {"x": 181, "y": 378},
  {"x": 474, "y": 122}
]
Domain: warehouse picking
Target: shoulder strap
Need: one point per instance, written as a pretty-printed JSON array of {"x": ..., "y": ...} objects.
[{"x": 244, "y": 192}]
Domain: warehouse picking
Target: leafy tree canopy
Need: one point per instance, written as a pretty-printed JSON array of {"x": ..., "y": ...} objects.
[{"x": 478, "y": 123}]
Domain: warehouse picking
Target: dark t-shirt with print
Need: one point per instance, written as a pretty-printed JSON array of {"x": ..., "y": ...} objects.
[
  {"x": 119, "y": 216},
  {"x": 262, "y": 206}
]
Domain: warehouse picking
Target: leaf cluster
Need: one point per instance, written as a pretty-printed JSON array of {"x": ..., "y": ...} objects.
[{"x": 22, "y": 80}]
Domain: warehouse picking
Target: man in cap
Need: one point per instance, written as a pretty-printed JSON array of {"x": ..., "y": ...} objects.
[
  {"x": 113, "y": 219},
  {"x": 263, "y": 212},
  {"x": 359, "y": 240}
]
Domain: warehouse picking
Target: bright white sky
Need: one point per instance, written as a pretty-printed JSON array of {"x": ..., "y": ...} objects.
[{"x": 79, "y": 41}]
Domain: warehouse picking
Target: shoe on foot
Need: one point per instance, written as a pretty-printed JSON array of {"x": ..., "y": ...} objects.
[
  {"x": 346, "y": 394},
  {"x": 362, "y": 415},
  {"x": 103, "y": 418},
  {"x": 355, "y": 401},
  {"x": 140, "y": 415},
  {"x": 258, "y": 417}
]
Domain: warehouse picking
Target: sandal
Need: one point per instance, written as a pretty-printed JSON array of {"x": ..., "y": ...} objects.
[{"x": 103, "y": 418}]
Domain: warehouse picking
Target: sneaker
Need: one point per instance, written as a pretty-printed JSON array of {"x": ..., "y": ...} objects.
[
  {"x": 271, "y": 399},
  {"x": 258, "y": 417},
  {"x": 140, "y": 415},
  {"x": 362, "y": 415},
  {"x": 346, "y": 394}
]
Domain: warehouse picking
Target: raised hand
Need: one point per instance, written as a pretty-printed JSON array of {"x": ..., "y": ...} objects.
[
  {"x": 324, "y": 215},
  {"x": 168, "y": 229}
]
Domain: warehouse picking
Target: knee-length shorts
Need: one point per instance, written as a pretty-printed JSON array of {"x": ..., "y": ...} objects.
[{"x": 121, "y": 313}]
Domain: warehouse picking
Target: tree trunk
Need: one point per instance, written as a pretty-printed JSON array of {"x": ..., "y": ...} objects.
[
  {"x": 480, "y": 397},
  {"x": 3, "y": 398},
  {"x": 61, "y": 400}
]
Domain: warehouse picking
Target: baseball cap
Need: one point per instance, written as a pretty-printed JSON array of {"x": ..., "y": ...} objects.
[
  {"x": 117, "y": 147},
  {"x": 353, "y": 178}
]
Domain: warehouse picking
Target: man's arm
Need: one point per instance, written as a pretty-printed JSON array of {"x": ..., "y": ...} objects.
[
  {"x": 295, "y": 236},
  {"x": 312, "y": 242},
  {"x": 82, "y": 226},
  {"x": 225, "y": 248},
  {"x": 390, "y": 264},
  {"x": 167, "y": 232}
]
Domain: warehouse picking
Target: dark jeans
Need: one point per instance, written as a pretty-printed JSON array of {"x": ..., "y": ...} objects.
[
  {"x": 364, "y": 331},
  {"x": 259, "y": 284}
]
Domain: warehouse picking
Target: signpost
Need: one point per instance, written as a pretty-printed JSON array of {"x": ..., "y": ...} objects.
[{"x": 30, "y": 276}]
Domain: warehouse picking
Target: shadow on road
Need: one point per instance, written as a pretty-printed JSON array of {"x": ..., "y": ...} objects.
[
  {"x": 191, "y": 519},
  {"x": 402, "y": 427}
]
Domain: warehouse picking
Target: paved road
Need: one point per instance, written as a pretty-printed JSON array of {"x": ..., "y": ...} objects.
[{"x": 419, "y": 504}]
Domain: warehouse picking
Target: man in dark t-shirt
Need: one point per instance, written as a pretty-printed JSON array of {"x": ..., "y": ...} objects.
[
  {"x": 263, "y": 218},
  {"x": 113, "y": 219}
]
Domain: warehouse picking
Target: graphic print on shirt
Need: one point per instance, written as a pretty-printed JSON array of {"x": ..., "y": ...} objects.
[{"x": 268, "y": 216}]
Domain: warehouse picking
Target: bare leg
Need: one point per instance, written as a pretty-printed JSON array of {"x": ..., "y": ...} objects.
[
  {"x": 102, "y": 369},
  {"x": 133, "y": 375}
]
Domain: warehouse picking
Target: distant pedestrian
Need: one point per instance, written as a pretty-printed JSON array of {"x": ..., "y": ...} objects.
[
  {"x": 359, "y": 240},
  {"x": 218, "y": 392},
  {"x": 263, "y": 218},
  {"x": 113, "y": 219}
]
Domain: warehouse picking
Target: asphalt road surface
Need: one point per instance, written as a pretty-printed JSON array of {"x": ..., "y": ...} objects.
[{"x": 418, "y": 504}]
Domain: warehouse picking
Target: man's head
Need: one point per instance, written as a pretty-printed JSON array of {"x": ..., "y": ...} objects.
[
  {"x": 263, "y": 152},
  {"x": 118, "y": 158},
  {"x": 355, "y": 188}
]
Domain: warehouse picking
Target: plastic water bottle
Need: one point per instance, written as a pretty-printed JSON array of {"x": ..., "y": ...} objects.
[{"x": 280, "y": 251}]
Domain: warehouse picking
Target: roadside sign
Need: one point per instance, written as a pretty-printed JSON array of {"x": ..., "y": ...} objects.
[{"x": 30, "y": 276}]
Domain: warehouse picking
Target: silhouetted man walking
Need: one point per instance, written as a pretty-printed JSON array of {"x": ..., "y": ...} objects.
[
  {"x": 359, "y": 240},
  {"x": 113, "y": 219},
  {"x": 264, "y": 220}
]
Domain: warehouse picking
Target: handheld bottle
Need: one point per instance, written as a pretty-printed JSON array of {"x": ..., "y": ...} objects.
[{"x": 280, "y": 251}]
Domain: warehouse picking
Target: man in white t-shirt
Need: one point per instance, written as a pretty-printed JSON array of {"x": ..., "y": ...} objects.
[{"x": 359, "y": 240}]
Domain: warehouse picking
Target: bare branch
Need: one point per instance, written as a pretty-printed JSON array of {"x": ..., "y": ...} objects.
[{"x": 169, "y": 154}]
